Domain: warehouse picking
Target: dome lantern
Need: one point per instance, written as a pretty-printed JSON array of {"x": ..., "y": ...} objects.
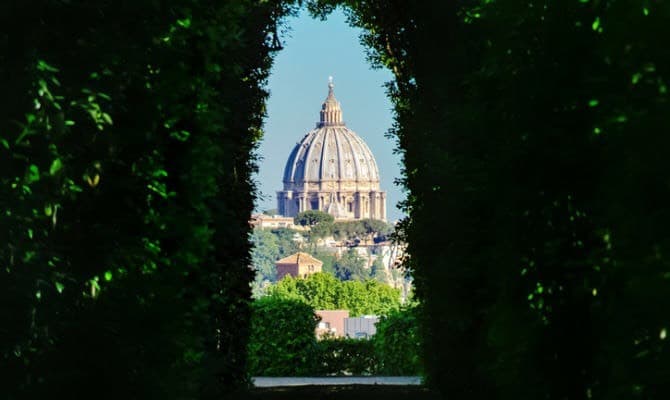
[{"x": 331, "y": 113}]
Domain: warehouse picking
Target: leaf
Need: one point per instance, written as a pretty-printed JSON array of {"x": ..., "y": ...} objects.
[
  {"x": 184, "y": 23},
  {"x": 44, "y": 66},
  {"x": 33, "y": 174},
  {"x": 596, "y": 24},
  {"x": 56, "y": 166}
]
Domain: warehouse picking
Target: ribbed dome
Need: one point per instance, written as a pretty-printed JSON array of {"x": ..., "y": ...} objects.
[{"x": 331, "y": 152}]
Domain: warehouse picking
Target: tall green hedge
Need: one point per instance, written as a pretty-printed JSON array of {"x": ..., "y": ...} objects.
[
  {"x": 282, "y": 341},
  {"x": 398, "y": 344},
  {"x": 127, "y": 132},
  {"x": 536, "y": 132}
]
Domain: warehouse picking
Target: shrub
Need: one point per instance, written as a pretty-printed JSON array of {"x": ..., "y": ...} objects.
[
  {"x": 282, "y": 339},
  {"x": 397, "y": 343},
  {"x": 340, "y": 356}
]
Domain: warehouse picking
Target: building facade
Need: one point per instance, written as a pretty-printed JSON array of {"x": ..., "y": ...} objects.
[
  {"x": 333, "y": 170},
  {"x": 331, "y": 322},
  {"x": 298, "y": 265}
]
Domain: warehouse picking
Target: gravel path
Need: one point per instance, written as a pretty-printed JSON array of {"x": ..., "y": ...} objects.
[{"x": 260, "y": 381}]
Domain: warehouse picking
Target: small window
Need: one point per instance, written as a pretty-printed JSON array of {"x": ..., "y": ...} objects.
[
  {"x": 315, "y": 204},
  {"x": 351, "y": 207}
]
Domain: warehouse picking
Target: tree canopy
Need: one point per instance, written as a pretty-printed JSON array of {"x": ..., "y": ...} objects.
[
  {"x": 312, "y": 217},
  {"x": 323, "y": 291}
]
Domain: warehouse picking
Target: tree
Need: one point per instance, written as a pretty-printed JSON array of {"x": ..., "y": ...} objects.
[
  {"x": 324, "y": 291},
  {"x": 312, "y": 217},
  {"x": 285, "y": 243},
  {"x": 378, "y": 271},
  {"x": 351, "y": 266},
  {"x": 376, "y": 227},
  {"x": 264, "y": 253},
  {"x": 349, "y": 229},
  {"x": 321, "y": 230}
]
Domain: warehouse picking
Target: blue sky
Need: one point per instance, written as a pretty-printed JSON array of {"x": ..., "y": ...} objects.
[{"x": 313, "y": 51}]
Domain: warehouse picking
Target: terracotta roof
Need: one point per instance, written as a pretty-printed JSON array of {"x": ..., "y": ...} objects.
[{"x": 299, "y": 258}]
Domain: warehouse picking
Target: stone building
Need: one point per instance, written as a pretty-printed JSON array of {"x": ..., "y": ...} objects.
[
  {"x": 298, "y": 265},
  {"x": 332, "y": 169}
]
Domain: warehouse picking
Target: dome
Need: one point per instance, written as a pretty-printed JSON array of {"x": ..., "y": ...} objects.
[
  {"x": 332, "y": 170},
  {"x": 331, "y": 152}
]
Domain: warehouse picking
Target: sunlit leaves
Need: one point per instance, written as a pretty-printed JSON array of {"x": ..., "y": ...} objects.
[
  {"x": 181, "y": 135},
  {"x": 32, "y": 174},
  {"x": 56, "y": 166},
  {"x": 596, "y": 25},
  {"x": 184, "y": 23},
  {"x": 44, "y": 66},
  {"x": 635, "y": 78}
]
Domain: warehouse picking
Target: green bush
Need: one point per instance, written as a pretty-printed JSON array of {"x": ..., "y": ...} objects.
[
  {"x": 340, "y": 356},
  {"x": 397, "y": 344},
  {"x": 282, "y": 341}
]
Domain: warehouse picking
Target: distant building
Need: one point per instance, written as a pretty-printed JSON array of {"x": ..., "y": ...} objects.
[
  {"x": 298, "y": 265},
  {"x": 272, "y": 221},
  {"x": 332, "y": 322},
  {"x": 360, "y": 327},
  {"x": 333, "y": 170}
]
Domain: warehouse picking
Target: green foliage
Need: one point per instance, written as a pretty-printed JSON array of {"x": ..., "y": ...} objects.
[
  {"x": 269, "y": 245},
  {"x": 351, "y": 267},
  {"x": 349, "y": 229},
  {"x": 378, "y": 271},
  {"x": 321, "y": 230},
  {"x": 548, "y": 277},
  {"x": 362, "y": 229},
  {"x": 285, "y": 243},
  {"x": 398, "y": 343},
  {"x": 328, "y": 258},
  {"x": 323, "y": 291},
  {"x": 265, "y": 252},
  {"x": 312, "y": 217},
  {"x": 340, "y": 356},
  {"x": 282, "y": 341},
  {"x": 125, "y": 190}
]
